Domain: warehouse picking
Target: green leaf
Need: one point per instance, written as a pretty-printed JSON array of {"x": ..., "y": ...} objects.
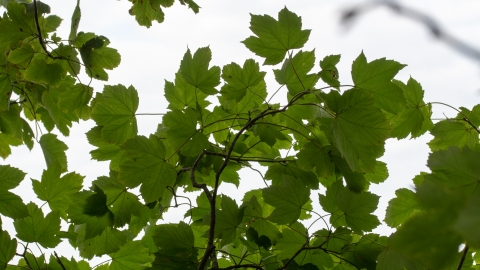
[
  {"x": 108, "y": 242},
  {"x": 57, "y": 190},
  {"x": 122, "y": 203},
  {"x": 251, "y": 102},
  {"x": 105, "y": 151},
  {"x": 76, "y": 100},
  {"x": 131, "y": 256},
  {"x": 97, "y": 57},
  {"x": 453, "y": 133},
  {"x": 358, "y": 130},
  {"x": 239, "y": 80},
  {"x": 17, "y": 26},
  {"x": 182, "y": 95},
  {"x": 228, "y": 219},
  {"x": 146, "y": 12},
  {"x": 22, "y": 55},
  {"x": 195, "y": 70},
  {"x": 8, "y": 248},
  {"x": 275, "y": 173},
  {"x": 329, "y": 73},
  {"x": 294, "y": 73},
  {"x": 468, "y": 222},
  {"x": 182, "y": 133},
  {"x": 363, "y": 254},
  {"x": 90, "y": 208},
  {"x": 391, "y": 260},
  {"x": 274, "y": 38},
  {"x": 349, "y": 208},
  {"x": 380, "y": 174},
  {"x": 288, "y": 200},
  {"x": 75, "y": 22},
  {"x": 41, "y": 72},
  {"x": 37, "y": 228},
  {"x": 54, "y": 150},
  {"x": 191, "y": 4},
  {"x": 115, "y": 109},
  {"x": 147, "y": 166},
  {"x": 376, "y": 78},
  {"x": 176, "y": 243},
  {"x": 290, "y": 242},
  {"x": 313, "y": 155},
  {"x": 10, "y": 177},
  {"x": 401, "y": 208}
]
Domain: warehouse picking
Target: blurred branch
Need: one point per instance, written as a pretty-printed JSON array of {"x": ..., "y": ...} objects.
[{"x": 432, "y": 25}]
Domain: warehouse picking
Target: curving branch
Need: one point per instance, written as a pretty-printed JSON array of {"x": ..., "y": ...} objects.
[{"x": 432, "y": 25}]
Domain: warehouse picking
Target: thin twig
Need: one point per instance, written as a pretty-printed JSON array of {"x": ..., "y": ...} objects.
[
  {"x": 59, "y": 261},
  {"x": 462, "y": 259}
]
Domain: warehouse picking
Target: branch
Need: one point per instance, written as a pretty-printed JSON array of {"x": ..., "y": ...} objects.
[
  {"x": 241, "y": 266},
  {"x": 245, "y": 159},
  {"x": 462, "y": 259},
  {"x": 40, "y": 38},
  {"x": 420, "y": 17},
  {"x": 59, "y": 261},
  {"x": 192, "y": 177}
]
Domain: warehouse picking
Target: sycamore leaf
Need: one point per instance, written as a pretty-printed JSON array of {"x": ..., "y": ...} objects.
[
  {"x": 401, "y": 208},
  {"x": 359, "y": 129},
  {"x": 146, "y": 12},
  {"x": 228, "y": 218},
  {"x": 37, "y": 228},
  {"x": 97, "y": 57},
  {"x": 290, "y": 242},
  {"x": 182, "y": 132},
  {"x": 41, "y": 72},
  {"x": 364, "y": 253},
  {"x": 313, "y": 155},
  {"x": 8, "y": 249},
  {"x": 255, "y": 97},
  {"x": 453, "y": 133},
  {"x": 10, "y": 177},
  {"x": 182, "y": 94},
  {"x": 294, "y": 73},
  {"x": 293, "y": 169},
  {"x": 147, "y": 166},
  {"x": 239, "y": 80},
  {"x": 176, "y": 243},
  {"x": 329, "y": 73},
  {"x": 392, "y": 260},
  {"x": 121, "y": 203},
  {"x": 54, "y": 150},
  {"x": 105, "y": 151},
  {"x": 274, "y": 38},
  {"x": 76, "y": 99},
  {"x": 11, "y": 205},
  {"x": 195, "y": 70},
  {"x": 349, "y": 208},
  {"x": 17, "y": 26},
  {"x": 133, "y": 256},
  {"x": 57, "y": 190},
  {"x": 288, "y": 200},
  {"x": 90, "y": 208},
  {"x": 115, "y": 109},
  {"x": 376, "y": 78},
  {"x": 108, "y": 242}
]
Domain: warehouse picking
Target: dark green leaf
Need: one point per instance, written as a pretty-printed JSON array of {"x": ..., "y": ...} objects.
[
  {"x": 54, "y": 150},
  {"x": 294, "y": 73},
  {"x": 132, "y": 256},
  {"x": 37, "y": 228},
  {"x": 239, "y": 80},
  {"x": 329, "y": 73},
  {"x": 401, "y": 208},
  {"x": 8, "y": 248},
  {"x": 181, "y": 94}
]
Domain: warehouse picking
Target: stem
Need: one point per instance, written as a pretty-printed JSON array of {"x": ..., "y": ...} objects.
[{"x": 40, "y": 38}]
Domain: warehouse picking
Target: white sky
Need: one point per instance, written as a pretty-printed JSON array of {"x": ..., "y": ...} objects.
[{"x": 151, "y": 55}]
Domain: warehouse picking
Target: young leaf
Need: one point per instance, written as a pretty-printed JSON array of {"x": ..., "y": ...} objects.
[
  {"x": 288, "y": 200},
  {"x": 274, "y": 38},
  {"x": 132, "y": 256},
  {"x": 147, "y": 166},
  {"x": 195, "y": 70},
  {"x": 37, "y": 228},
  {"x": 54, "y": 150},
  {"x": 115, "y": 109}
]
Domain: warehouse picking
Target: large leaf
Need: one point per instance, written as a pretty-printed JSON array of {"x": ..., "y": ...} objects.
[
  {"x": 274, "y": 38},
  {"x": 37, "y": 228},
  {"x": 195, "y": 70},
  {"x": 401, "y": 208},
  {"x": 288, "y": 200},
  {"x": 115, "y": 109},
  {"x": 11, "y": 205},
  {"x": 228, "y": 220},
  {"x": 359, "y": 129},
  {"x": 147, "y": 165}
]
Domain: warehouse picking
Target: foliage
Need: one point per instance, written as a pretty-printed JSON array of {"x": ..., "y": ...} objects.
[{"x": 326, "y": 139}]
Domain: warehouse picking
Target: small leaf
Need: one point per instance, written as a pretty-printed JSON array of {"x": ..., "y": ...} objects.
[{"x": 329, "y": 73}]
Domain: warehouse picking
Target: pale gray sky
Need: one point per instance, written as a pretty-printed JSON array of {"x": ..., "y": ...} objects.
[{"x": 151, "y": 55}]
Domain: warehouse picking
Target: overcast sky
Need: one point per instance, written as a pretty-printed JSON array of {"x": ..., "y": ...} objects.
[{"x": 149, "y": 56}]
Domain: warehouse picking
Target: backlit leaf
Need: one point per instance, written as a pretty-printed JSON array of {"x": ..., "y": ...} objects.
[{"x": 37, "y": 228}]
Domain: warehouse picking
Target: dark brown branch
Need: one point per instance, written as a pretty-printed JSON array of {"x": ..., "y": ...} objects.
[
  {"x": 462, "y": 259},
  {"x": 59, "y": 261},
  {"x": 192, "y": 177},
  {"x": 40, "y": 38},
  {"x": 245, "y": 159},
  {"x": 241, "y": 266}
]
